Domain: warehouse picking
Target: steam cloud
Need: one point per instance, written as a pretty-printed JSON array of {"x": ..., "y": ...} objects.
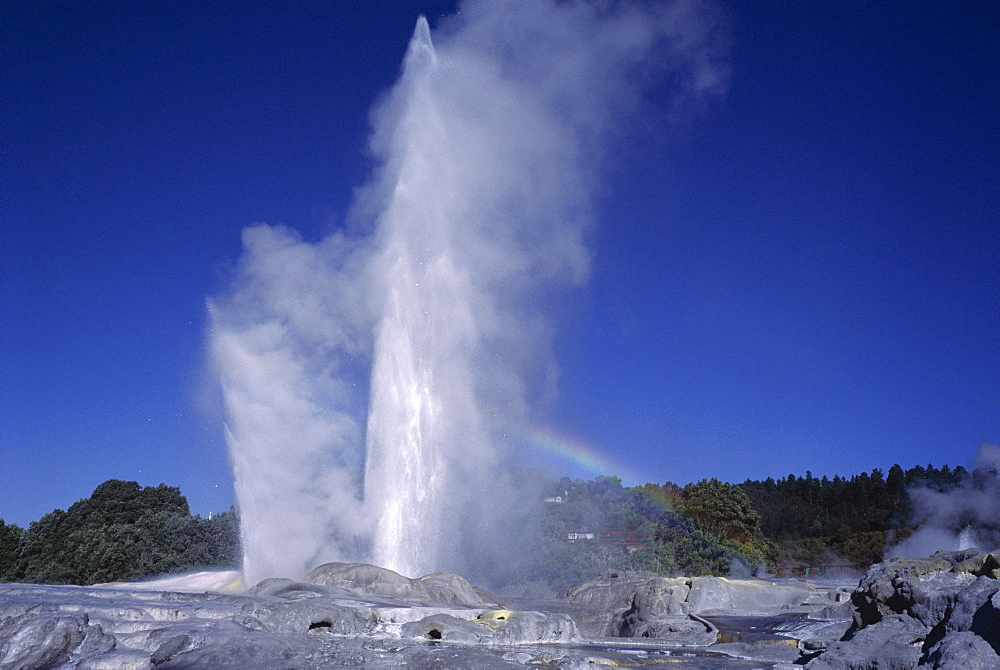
[
  {"x": 958, "y": 518},
  {"x": 364, "y": 376}
]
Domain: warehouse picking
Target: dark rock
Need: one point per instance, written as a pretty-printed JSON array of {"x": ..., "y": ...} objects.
[
  {"x": 688, "y": 630},
  {"x": 910, "y": 612},
  {"x": 834, "y": 612},
  {"x": 975, "y": 610},
  {"x": 894, "y": 644},
  {"x": 963, "y": 650},
  {"x": 887, "y": 588},
  {"x": 177, "y": 644}
]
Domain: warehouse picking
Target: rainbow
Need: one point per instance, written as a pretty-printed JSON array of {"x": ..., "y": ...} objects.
[{"x": 546, "y": 442}]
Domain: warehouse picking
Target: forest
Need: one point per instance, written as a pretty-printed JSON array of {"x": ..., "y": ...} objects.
[
  {"x": 816, "y": 521},
  {"x": 125, "y": 531}
]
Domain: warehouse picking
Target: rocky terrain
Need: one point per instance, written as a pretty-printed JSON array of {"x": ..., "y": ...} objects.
[{"x": 940, "y": 612}]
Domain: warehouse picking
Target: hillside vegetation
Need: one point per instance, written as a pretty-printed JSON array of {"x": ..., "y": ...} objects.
[
  {"x": 124, "y": 531},
  {"x": 817, "y": 521}
]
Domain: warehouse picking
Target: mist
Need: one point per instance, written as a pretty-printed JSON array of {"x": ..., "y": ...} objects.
[
  {"x": 367, "y": 377},
  {"x": 960, "y": 518}
]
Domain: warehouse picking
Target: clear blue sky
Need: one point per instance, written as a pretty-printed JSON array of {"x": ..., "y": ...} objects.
[{"x": 802, "y": 275}]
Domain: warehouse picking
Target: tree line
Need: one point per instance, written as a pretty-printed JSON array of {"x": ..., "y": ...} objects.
[
  {"x": 818, "y": 520},
  {"x": 122, "y": 532},
  {"x": 125, "y": 532},
  {"x": 712, "y": 527}
]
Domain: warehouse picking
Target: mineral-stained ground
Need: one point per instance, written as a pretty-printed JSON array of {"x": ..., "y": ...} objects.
[{"x": 931, "y": 612}]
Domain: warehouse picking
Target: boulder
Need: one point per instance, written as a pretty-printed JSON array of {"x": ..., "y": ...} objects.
[
  {"x": 747, "y": 596},
  {"x": 897, "y": 585},
  {"x": 894, "y": 644},
  {"x": 923, "y": 612},
  {"x": 612, "y": 591},
  {"x": 629, "y": 603},
  {"x": 534, "y": 628},
  {"x": 318, "y": 615},
  {"x": 964, "y": 650},
  {"x": 174, "y": 646},
  {"x": 684, "y": 631},
  {"x": 446, "y": 627},
  {"x": 439, "y": 588},
  {"x": 50, "y": 640}
]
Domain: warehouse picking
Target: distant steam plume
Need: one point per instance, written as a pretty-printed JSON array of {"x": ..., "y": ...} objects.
[
  {"x": 364, "y": 377},
  {"x": 961, "y": 517}
]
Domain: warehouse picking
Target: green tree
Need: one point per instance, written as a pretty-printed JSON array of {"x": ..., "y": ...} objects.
[
  {"x": 124, "y": 531},
  {"x": 10, "y": 542},
  {"x": 725, "y": 510}
]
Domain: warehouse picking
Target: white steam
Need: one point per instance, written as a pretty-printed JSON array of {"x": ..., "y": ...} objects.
[
  {"x": 961, "y": 517},
  {"x": 364, "y": 378}
]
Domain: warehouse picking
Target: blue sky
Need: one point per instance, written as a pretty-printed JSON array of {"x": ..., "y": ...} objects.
[{"x": 801, "y": 275}]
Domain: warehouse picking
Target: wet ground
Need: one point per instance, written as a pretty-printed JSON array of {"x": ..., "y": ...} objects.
[{"x": 130, "y": 628}]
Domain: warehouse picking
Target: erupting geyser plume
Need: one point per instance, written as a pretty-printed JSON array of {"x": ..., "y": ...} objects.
[{"x": 426, "y": 319}]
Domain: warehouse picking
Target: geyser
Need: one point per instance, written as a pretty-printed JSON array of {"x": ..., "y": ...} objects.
[{"x": 364, "y": 376}]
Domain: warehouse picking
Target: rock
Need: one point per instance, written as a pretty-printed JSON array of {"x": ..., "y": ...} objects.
[
  {"x": 963, "y": 650},
  {"x": 662, "y": 597},
  {"x": 975, "y": 609},
  {"x": 319, "y": 615},
  {"x": 496, "y": 627},
  {"x": 822, "y": 634},
  {"x": 923, "y": 612},
  {"x": 619, "y": 602},
  {"x": 536, "y": 628},
  {"x": 489, "y": 597},
  {"x": 628, "y": 604},
  {"x": 612, "y": 591},
  {"x": 934, "y": 581},
  {"x": 979, "y": 565},
  {"x": 95, "y": 643},
  {"x": 837, "y": 612},
  {"x": 286, "y": 588},
  {"x": 439, "y": 588},
  {"x": 773, "y": 651},
  {"x": 750, "y": 596},
  {"x": 447, "y": 588},
  {"x": 177, "y": 644},
  {"x": 894, "y": 644},
  {"x": 685, "y": 631},
  {"x": 284, "y": 625},
  {"x": 446, "y": 627},
  {"x": 40, "y": 640}
]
